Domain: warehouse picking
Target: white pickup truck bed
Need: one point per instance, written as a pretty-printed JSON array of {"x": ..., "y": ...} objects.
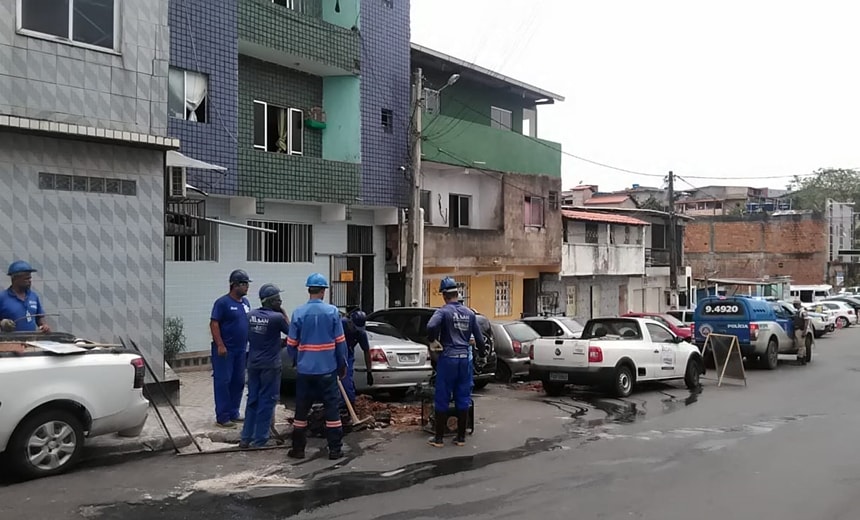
[
  {"x": 49, "y": 402},
  {"x": 615, "y": 353}
]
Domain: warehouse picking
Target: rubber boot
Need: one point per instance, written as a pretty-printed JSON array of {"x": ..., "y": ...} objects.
[
  {"x": 440, "y": 421},
  {"x": 462, "y": 420},
  {"x": 299, "y": 443}
]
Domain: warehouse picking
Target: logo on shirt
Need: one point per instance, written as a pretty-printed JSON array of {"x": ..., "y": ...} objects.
[
  {"x": 461, "y": 322},
  {"x": 247, "y": 307}
]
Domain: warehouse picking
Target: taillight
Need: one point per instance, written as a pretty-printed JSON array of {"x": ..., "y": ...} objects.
[
  {"x": 753, "y": 331},
  {"x": 532, "y": 353},
  {"x": 139, "y": 373},
  {"x": 518, "y": 347},
  {"x": 378, "y": 356},
  {"x": 595, "y": 355}
]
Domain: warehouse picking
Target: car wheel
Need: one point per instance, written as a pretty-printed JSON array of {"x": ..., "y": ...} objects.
[
  {"x": 808, "y": 349},
  {"x": 843, "y": 322},
  {"x": 692, "y": 375},
  {"x": 503, "y": 372},
  {"x": 48, "y": 443},
  {"x": 480, "y": 385},
  {"x": 553, "y": 389},
  {"x": 770, "y": 360},
  {"x": 622, "y": 385}
]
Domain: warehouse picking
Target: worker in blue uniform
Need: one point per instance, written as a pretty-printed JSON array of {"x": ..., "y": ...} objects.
[
  {"x": 266, "y": 324},
  {"x": 229, "y": 327},
  {"x": 453, "y": 325},
  {"x": 20, "y": 304},
  {"x": 356, "y": 335},
  {"x": 316, "y": 341}
]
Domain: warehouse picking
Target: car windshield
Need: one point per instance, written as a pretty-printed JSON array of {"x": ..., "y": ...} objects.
[
  {"x": 668, "y": 318},
  {"x": 521, "y": 332},
  {"x": 384, "y": 329},
  {"x": 623, "y": 328},
  {"x": 572, "y": 324}
]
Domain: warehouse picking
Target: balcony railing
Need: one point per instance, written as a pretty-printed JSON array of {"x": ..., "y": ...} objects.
[
  {"x": 656, "y": 257},
  {"x": 602, "y": 259}
]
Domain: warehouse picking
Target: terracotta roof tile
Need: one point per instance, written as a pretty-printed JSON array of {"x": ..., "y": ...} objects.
[
  {"x": 609, "y": 199},
  {"x": 595, "y": 216}
]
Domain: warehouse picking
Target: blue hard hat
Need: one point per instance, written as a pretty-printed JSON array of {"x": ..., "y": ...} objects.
[
  {"x": 20, "y": 266},
  {"x": 268, "y": 290},
  {"x": 447, "y": 284},
  {"x": 359, "y": 318},
  {"x": 239, "y": 276},
  {"x": 317, "y": 280}
]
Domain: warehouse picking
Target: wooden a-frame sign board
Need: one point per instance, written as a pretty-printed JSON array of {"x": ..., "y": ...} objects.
[{"x": 726, "y": 352}]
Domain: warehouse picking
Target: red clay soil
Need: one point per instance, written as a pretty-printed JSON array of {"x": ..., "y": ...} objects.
[{"x": 403, "y": 416}]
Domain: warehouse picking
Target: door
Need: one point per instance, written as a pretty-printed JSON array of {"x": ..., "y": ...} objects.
[
  {"x": 595, "y": 302},
  {"x": 396, "y": 289},
  {"x": 664, "y": 352},
  {"x": 530, "y": 297}
]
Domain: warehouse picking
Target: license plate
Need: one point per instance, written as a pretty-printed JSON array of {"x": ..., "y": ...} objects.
[
  {"x": 555, "y": 376},
  {"x": 407, "y": 358}
]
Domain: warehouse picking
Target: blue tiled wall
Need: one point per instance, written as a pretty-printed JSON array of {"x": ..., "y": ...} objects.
[
  {"x": 204, "y": 38},
  {"x": 385, "y": 84}
]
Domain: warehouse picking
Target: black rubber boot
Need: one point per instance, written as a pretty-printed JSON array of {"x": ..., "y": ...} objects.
[
  {"x": 462, "y": 420},
  {"x": 299, "y": 442},
  {"x": 440, "y": 421}
]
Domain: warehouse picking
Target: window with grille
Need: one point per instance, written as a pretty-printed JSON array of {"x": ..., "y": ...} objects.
[
  {"x": 195, "y": 248},
  {"x": 534, "y": 211},
  {"x": 504, "y": 288},
  {"x": 553, "y": 200},
  {"x": 591, "y": 233},
  {"x": 426, "y": 295},
  {"x": 571, "y": 301},
  {"x": 463, "y": 292},
  {"x": 500, "y": 118},
  {"x": 291, "y": 243},
  {"x": 626, "y": 234}
]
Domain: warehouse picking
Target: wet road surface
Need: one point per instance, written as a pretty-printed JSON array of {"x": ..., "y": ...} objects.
[{"x": 783, "y": 447}]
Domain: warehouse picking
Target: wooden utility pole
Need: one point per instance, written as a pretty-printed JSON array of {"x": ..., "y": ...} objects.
[{"x": 673, "y": 246}]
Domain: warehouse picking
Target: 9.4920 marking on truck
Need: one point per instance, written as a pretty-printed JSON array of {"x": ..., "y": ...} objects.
[{"x": 724, "y": 309}]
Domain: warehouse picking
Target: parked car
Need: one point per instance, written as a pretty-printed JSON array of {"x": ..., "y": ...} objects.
[
  {"x": 513, "y": 342},
  {"x": 411, "y": 322},
  {"x": 684, "y": 315},
  {"x": 843, "y": 313},
  {"x": 554, "y": 326},
  {"x": 677, "y": 327},
  {"x": 54, "y": 397},
  {"x": 616, "y": 353},
  {"x": 821, "y": 323},
  {"x": 398, "y": 363}
]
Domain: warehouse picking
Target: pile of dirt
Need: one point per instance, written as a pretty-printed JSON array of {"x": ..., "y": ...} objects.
[
  {"x": 530, "y": 386},
  {"x": 394, "y": 415}
]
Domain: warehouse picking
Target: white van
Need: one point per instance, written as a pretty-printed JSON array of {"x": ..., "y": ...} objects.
[{"x": 810, "y": 293}]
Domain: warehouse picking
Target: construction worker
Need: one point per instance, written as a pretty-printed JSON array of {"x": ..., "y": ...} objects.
[
  {"x": 20, "y": 304},
  {"x": 800, "y": 324},
  {"x": 453, "y": 325},
  {"x": 229, "y": 327},
  {"x": 264, "y": 366},
  {"x": 316, "y": 341},
  {"x": 353, "y": 328}
]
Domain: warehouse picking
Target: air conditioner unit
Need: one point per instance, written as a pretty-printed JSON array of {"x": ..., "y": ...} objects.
[{"x": 176, "y": 182}]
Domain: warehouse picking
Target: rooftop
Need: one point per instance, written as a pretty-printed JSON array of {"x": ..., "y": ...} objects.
[
  {"x": 606, "y": 199},
  {"x": 593, "y": 216}
]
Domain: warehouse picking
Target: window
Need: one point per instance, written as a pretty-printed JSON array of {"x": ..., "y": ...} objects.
[
  {"x": 89, "y": 22},
  {"x": 627, "y": 234},
  {"x": 504, "y": 288},
  {"x": 658, "y": 236},
  {"x": 425, "y": 205},
  {"x": 571, "y": 301},
  {"x": 186, "y": 95},
  {"x": 388, "y": 3},
  {"x": 431, "y": 101},
  {"x": 612, "y": 231},
  {"x": 292, "y": 243},
  {"x": 530, "y": 122},
  {"x": 278, "y": 129},
  {"x": 534, "y": 211},
  {"x": 59, "y": 182},
  {"x": 553, "y": 200},
  {"x": 500, "y": 118},
  {"x": 463, "y": 292},
  {"x": 191, "y": 248},
  {"x": 296, "y": 5},
  {"x": 387, "y": 120},
  {"x": 591, "y": 233},
  {"x": 458, "y": 208},
  {"x": 659, "y": 334},
  {"x": 425, "y": 294}
]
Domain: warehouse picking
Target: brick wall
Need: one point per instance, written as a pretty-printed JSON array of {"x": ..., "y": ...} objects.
[
  {"x": 203, "y": 38},
  {"x": 759, "y": 245},
  {"x": 385, "y": 84}
]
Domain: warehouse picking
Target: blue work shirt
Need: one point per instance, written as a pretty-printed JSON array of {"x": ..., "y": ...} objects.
[
  {"x": 232, "y": 318},
  {"x": 264, "y": 338},
  {"x": 22, "y": 312},
  {"x": 354, "y": 336},
  {"x": 453, "y": 325},
  {"x": 316, "y": 340}
]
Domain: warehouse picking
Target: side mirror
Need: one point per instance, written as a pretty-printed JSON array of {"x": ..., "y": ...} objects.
[{"x": 678, "y": 339}]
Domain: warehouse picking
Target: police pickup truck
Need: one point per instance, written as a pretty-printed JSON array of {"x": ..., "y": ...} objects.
[{"x": 615, "y": 353}]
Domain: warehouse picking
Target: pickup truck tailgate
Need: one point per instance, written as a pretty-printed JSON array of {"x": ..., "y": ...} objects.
[{"x": 569, "y": 353}]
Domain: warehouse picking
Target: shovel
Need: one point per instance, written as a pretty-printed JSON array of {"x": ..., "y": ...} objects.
[{"x": 355, "y": 421}]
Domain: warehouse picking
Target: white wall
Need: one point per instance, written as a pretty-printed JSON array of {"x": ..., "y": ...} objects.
[
  {"x": 192, "y": 287},
  {"x": 485, "y": 190}
]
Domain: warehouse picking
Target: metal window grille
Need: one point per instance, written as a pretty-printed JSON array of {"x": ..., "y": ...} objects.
[
  {"x": 591, "y": 233},
  {"x": 571, "y": 300},
  {"x": 553, "y": 200},
  {"x": 291, "y": 243},
  {"x": 61, "y": 182},
  {"x": 359, "y": 239},
  {"x": 195, "y": 248},
  {"x": 426, "y": 295},
  {"x": 463, "y": 291},
  {"x": 504, "y": 288}
]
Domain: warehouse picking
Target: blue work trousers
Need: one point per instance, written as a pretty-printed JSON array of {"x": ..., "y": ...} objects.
[
  {"x": 264, "y": 390},
  {"x": 453, "y": 375},
  {"x": 228, "y": 380},
  {"x": 349, "y": 381},
  {"x": 312, "y": 389}
]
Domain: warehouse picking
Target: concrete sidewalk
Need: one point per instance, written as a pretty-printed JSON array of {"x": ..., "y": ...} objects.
[{"x": 198, "y": 412}]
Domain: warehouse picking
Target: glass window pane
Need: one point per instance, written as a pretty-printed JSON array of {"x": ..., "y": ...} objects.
[
  {"x": 46, "y": 16},
  {"x": 92, "y": 22},
  {"x": 259, "y": 124},
  {"x": 176, "y": 93}
]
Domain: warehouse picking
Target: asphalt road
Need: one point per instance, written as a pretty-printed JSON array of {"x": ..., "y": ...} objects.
[{"x": 783, "y": 447}]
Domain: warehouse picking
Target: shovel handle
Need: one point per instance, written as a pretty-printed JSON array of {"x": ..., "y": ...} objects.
[{"x": 348, "y": 404}]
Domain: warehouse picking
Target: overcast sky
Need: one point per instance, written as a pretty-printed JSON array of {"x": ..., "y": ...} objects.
[{"x": 747, "y": 89}]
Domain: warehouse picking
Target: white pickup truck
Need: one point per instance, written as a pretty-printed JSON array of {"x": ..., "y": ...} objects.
[
  {"x": 615, "y": 353},
  {"x": 52, "y": 397}
]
